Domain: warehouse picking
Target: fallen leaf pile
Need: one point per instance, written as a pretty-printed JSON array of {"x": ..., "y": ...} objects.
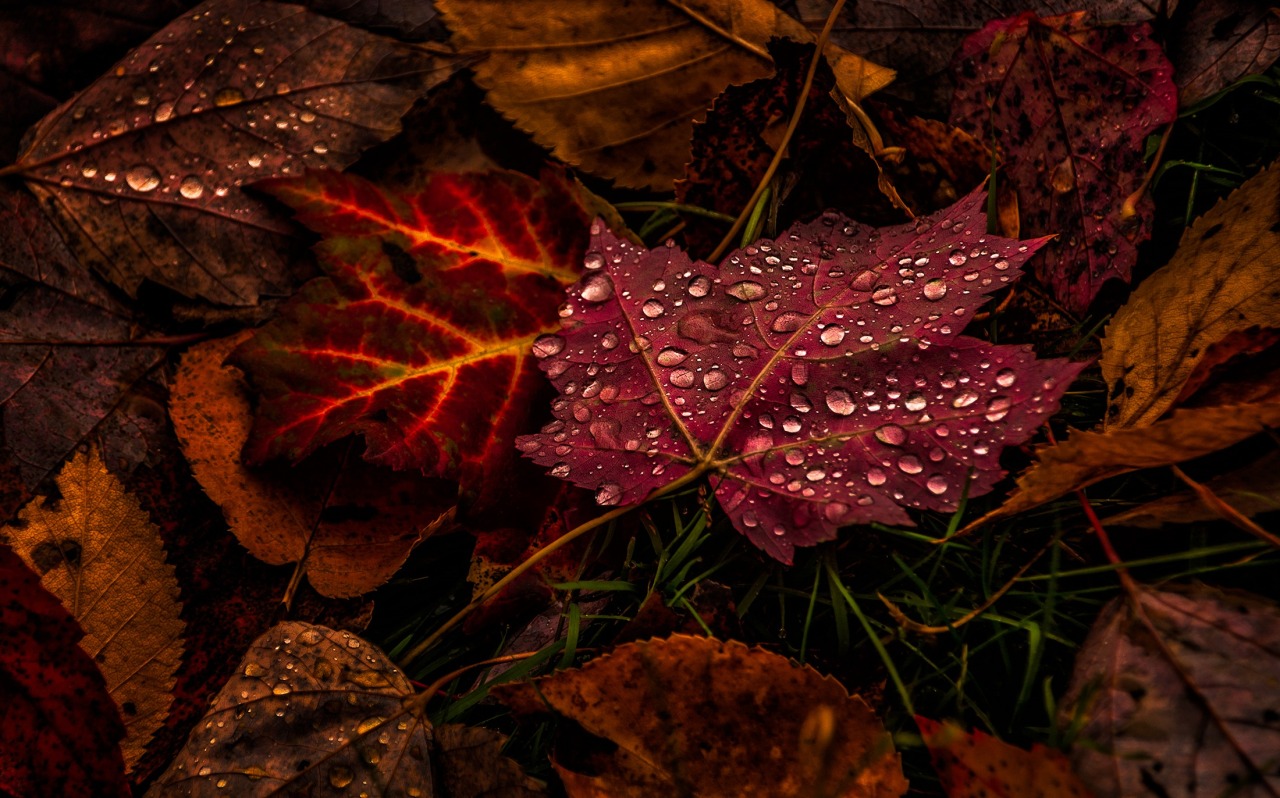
[{"x": 535, "y": 398}]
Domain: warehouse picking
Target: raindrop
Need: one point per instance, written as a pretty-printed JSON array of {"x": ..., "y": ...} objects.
[
  {"x": 766, "y": 420},
  {"x": 593, "y": 260},
  {"x": 884, "y": 296},
  {"x": 547, "y": 345},
  {"x": 306, "y": 117},
  {"x": 864, "y": 281},
  {"x": 937, "y": 484},
  {"x": 876, "y": 477},
  {"x": 652, "y": 309},
  {"x": 89, "y": 171},
  {"x": 281, "y": 689},
  {"x": 560, "y": 470},
  {"x": 746, "y": 290},
  {"x": 840, "y": 402},
  {"x": 816, "y": 475},
  {"x": 832, "y": 335},
  {"x": 320, "y": 149},
  {"x": 596, "y": 288},
  {"x": 800, "y": 374},
  {"x": 998, "y": 408},
  {"x": 835, "y": 511},
  {"x": 800, "y": 402},
  {"x": 749, "y": 520},
  {"x": 142, "y": 178},
  {"x": 609, "y": 494},
  {"x": 745, "y": 350},
  {"x": 791, "y": 424},
  {"x": 191, "y": 187},
  {"x": 1006, "y": 377},
  {"x": 671, "y": 356},
  {"x": 958, "y": 257},
  {"x": 915, "y": 402},
  {"x": 340, "y": 776},
  {"x": 699, "y": 286},
  {"x": 964, "y": 399},
  {"x": 682, "y": 378},
  {"x": 935, "y": 289},
  {"x": 788, "y": 322},
  {"x": 891, "y": 435},
  {"x": 909, "y": 464},
  {"x": 227, "y": 97},
  {"x": 794, "y": 457},
  {"x": 715, "y": 379},
  {"x": 609, "y": 341}
]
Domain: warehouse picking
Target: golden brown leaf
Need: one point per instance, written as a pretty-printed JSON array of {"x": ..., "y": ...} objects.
[
  {"x": 977, "y": 765},
  {"x": 1224, "y": 278},
  {"x": 313, "y": 711},
  {"x": 706, "y": 717},
  {"x": 616, "y": 87},
  {"x": 348, "y": 523},
  {"x": 98, "y": 552}
]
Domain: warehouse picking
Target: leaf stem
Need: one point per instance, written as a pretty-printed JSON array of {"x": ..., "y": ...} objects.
[{"x": 781, "y": 152}]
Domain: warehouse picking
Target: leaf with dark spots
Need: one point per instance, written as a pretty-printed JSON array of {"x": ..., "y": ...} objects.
[
  {"x": 977, "y": 765},
  {"x": 143, "y": 170},
  {"x": 1220, "y": 42},
  {"x": 1069, "y": 105},
  {"x": 435, "y": 372},
  {"x": 61, "y": 732},
  {"x": 820, "y": 379},
  {"x": 1177, "y": 693}
]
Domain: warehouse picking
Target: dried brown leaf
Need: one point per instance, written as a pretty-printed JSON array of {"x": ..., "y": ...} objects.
[
  {"x": 98, "y": 552},
  {"x": 616, "y": 87},
  {"x": 1251, "y": 490}
]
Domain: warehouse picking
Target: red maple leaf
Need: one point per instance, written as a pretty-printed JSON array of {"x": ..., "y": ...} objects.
[
  {"x": 820, "y": 378},
  {"x": 1070, "y": 105}
]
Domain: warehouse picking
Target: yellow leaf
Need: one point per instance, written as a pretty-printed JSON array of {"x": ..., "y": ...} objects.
[
  {"x": 616, "y": 87},
  {"x": 98, "y": 552},
  {"x": 1224, "y": 278}
]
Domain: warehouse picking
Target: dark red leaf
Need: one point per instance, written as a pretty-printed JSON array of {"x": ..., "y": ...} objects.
[
  {"x": 143, "y": 169},
  {"x": 1069, "y": 105},
  {"x": 61, "y": 732},
  {"x": 820, "y": 379},
  {"x": 419, "y": 338}
]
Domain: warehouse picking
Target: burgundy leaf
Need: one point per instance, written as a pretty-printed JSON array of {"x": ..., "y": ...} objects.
[
  {"x": 1070, "y": 106},
  {"x": 820, "y": 378}
]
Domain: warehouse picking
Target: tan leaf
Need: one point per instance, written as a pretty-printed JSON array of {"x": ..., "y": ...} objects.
[
  {"x": 977, "y": 765},
  {"x": 313, "y": 711},
  {"x": 1225, "y": 277},
  {"x": 706, "y": 717},
  {"x": 1087, "y": 457},
  {"x": 616, "y": 87},
  {"x": 98, "y": 552},
  {"x": 348, "y": 523},
  {"x": 1186, "y": 707}
]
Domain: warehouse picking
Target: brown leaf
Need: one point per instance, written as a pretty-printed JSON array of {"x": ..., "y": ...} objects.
[
  {"x": 349, "y": 524},
  {"x": 1221, "y": 42},
  {"x": 693, "y": 715},
  {"x": 616, "y": 87},
  {"x": 1189, "y": 712},
  {"x": 98, "y": 552},
  {"x": 977, "y": 765},
  {"x": 143, "y": 170},
  {"x": 1224, "y": 278},
  {"x": 312, "y": 711},
  {"x": 1251, "y": 490}
]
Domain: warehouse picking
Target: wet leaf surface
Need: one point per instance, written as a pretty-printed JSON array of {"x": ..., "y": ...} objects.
[
  {"x": 61, "y": 732},
  {"x": 820, "y": 377},
  {"x": 690, "y": 715},
  {"x": 98, "y": 552},
  {"x": 615, "y": 88},
  {"x": 977, "y": 765},
  {"x": 1186, "y": 706},
  {"x": 315, "y": 711},
  {"x": 143, "y": 170},
  {"x": 420, "y": 337},
  {"x": 347, "y": 524},
  {"x": 1069, "y": 103}
]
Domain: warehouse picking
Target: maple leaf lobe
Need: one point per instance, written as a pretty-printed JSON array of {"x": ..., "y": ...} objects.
[{"x": 820, "y": 376}]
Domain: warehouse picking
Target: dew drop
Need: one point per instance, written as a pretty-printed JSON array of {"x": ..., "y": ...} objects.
[
  {"x": 915, "y": 402},
  {"x": 715, "y": 379},
  {"x": 791, "y": 424},
  {"x": 964, "y": 399},
  {"x": 671, "y": 356},
  {"x": 699, "y": 286},
  {"x": 596, "y": 288},
  {"x": 766, "y": 420},
  {"x": 998, "y": 408},
  {"x": 320, "y": 149},
  {"x": 800, "y": 402},
  {"x": 560, "y": 470},
  {"x": 800, "y": 374},
  {"x": 832, "y": 335},
  {"x": 746, "y": 290},
  {"x": 816, "y": 475},
  {"x": 593, "y": 260},
  {"x": 228, "y": 97},
  {"x": 935, "y": 289},
  {"x": 609, "y": 494},
  {"x": 937, "y": 484},
  {"x": 794, "y": 457},
  {"x": 682, "y": 378},
  {"x": 864, "y": 281},
  {"x": 885, "y": 296},
  {"x": 1006, "y": 377},
  {"x": 909, "y": 464},
  {"x": 840, "y": 402},
  {"x": 958, "y": 257},
  {"x": 750, "y": 520},
  {"x": 142, "y": 178},
  {"x": 340, "y": 776},
  {"x": 834, "y": 511},
  {"x": 788, "y": 322},
  {"x": 89, "y": 171},
  {"x": 609, "y": 341},
  {"x": 191, "y": 187},
  {"x": 745, "y": 350},
  {"x": 891, "y": 435},
  {"x": 547, "y": 345},
  {"x": 876, "y": 477},
  {"x": 652, "y": 309}
]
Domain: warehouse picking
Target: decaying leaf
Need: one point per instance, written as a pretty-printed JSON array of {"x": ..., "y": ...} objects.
[
  {"x": 1189, "y": 707},
  {"x": 143, "y": 170},
  {"x": 1250, "y": 491},
  {"x": 1224, "y": 278},
  {"x": 1069, "y": 104},
  {"x": 820, "y": 377},
  {"x": 977, "y": 765},
  {"x": 61, "y": 729},
  {"x": 699, "y": 716},
  {"x": 348, "y": 524},
  {"x": 419, "y": 338},
  {"x": 1220, "y": 42},
  {"x": 313, "y": 711},
  {"x": 616, "y": 87},
  {"x": 99, "y": 553}
]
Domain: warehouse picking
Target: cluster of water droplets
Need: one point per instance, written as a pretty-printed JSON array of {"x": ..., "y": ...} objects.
[{"x": 357, "y": 732}]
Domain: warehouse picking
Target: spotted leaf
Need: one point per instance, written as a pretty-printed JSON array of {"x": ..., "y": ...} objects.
[{"x": 821, "y": 378}]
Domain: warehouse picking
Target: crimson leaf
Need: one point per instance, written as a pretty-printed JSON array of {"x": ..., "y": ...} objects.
[
  {"x": 1071, "y": 105},
  {"x": 820, "y": 377}
]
